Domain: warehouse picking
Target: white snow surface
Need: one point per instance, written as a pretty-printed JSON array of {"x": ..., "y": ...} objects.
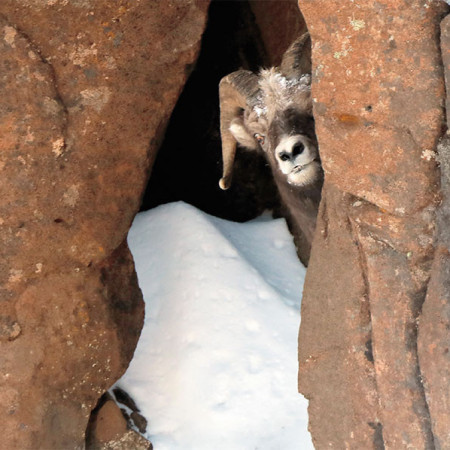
[{"x": 216, "y": 364}]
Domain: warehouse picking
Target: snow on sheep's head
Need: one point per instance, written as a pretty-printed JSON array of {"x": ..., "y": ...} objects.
[{"x": 272, "y": 111}]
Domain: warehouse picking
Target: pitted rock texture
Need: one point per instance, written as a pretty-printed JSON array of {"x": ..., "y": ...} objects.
[
  {"x": 86, "y": 88},
  {"x": 378, "y": 102}
]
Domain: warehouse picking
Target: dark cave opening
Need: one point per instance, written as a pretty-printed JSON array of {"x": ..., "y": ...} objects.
[
  {"x": 188, "y": 165},
  {"x": 240, "y": 34}
]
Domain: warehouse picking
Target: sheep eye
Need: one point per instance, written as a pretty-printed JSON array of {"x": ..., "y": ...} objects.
[
  {"x": 284, "y": 157},
  {"x": 259, "y": 138}
]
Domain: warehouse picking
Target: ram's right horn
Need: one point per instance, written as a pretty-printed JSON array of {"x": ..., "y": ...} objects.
[{"x": 237, "y": 91}]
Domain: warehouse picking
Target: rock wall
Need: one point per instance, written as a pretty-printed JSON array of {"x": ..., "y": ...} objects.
[
  {"x": 378, "y": 100},
  {"x": 86, "y": 88},
  {"x": 280, "y": 23},
  {"x": 434, "y": 325}
]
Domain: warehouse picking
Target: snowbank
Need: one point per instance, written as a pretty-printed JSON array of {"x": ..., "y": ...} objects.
[{"x": 216, "y": 365}]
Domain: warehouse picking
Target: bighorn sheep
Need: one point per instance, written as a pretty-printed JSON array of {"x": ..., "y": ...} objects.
[{"x": 272, "y": 112}]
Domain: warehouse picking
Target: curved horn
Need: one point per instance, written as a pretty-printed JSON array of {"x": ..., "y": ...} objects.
[
  {"x": 297, "y": 58},
  {"x": 236, "y": 91}
]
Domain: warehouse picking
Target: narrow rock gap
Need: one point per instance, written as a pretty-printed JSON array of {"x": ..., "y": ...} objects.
[
  {"x": 188, "y": 165},
  {"x": 378, "y": 439},
  {"x": 424, "y": 295}
]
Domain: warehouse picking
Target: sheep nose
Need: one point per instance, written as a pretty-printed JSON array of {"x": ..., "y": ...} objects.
[
  {"x": 284, "y": 156},
  {"x": 297, "y": 149}
]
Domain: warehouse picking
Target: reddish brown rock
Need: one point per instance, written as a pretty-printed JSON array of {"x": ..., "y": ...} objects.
[
  {"x": 378, "y": 95},
  {"x": 87, "y": 88},
  {"x": 370, "y": 67},
  {"x": 335, "y": 347},
  {"x": 110, "y": 427},
  {"x": 109, "y": 430},
  {"x": 433, "y": 342},
  {"x": 110, "y": 424},
  {"x": 279, "y": 23}
]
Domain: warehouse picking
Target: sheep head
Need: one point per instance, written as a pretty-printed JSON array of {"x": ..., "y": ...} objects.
[{"x": 272, "y": 111}]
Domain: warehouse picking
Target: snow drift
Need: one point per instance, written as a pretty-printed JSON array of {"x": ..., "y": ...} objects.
[{"x": 216, "y": 365}]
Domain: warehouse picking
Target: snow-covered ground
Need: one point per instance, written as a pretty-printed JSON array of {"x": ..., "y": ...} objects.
[{"x": 216, "y": 365}]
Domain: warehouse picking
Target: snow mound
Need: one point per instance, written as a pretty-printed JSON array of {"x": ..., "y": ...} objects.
[{"x": 216, "y": 364}]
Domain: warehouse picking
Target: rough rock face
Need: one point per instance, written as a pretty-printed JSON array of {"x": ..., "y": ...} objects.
[
  {"x": 378, "y": 95},
  {"x": 433, "y": 342},
  {"x": 86, "y": 91}
]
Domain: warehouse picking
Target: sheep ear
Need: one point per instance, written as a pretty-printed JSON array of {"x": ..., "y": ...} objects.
[
  {"x": 242, "y": 135},
  {"x": 237, "y": 91},
  {"x": 297, "y": 58}
]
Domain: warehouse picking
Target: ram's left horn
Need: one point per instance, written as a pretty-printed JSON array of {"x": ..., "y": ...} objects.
[{"x": 297, "y": 58}]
